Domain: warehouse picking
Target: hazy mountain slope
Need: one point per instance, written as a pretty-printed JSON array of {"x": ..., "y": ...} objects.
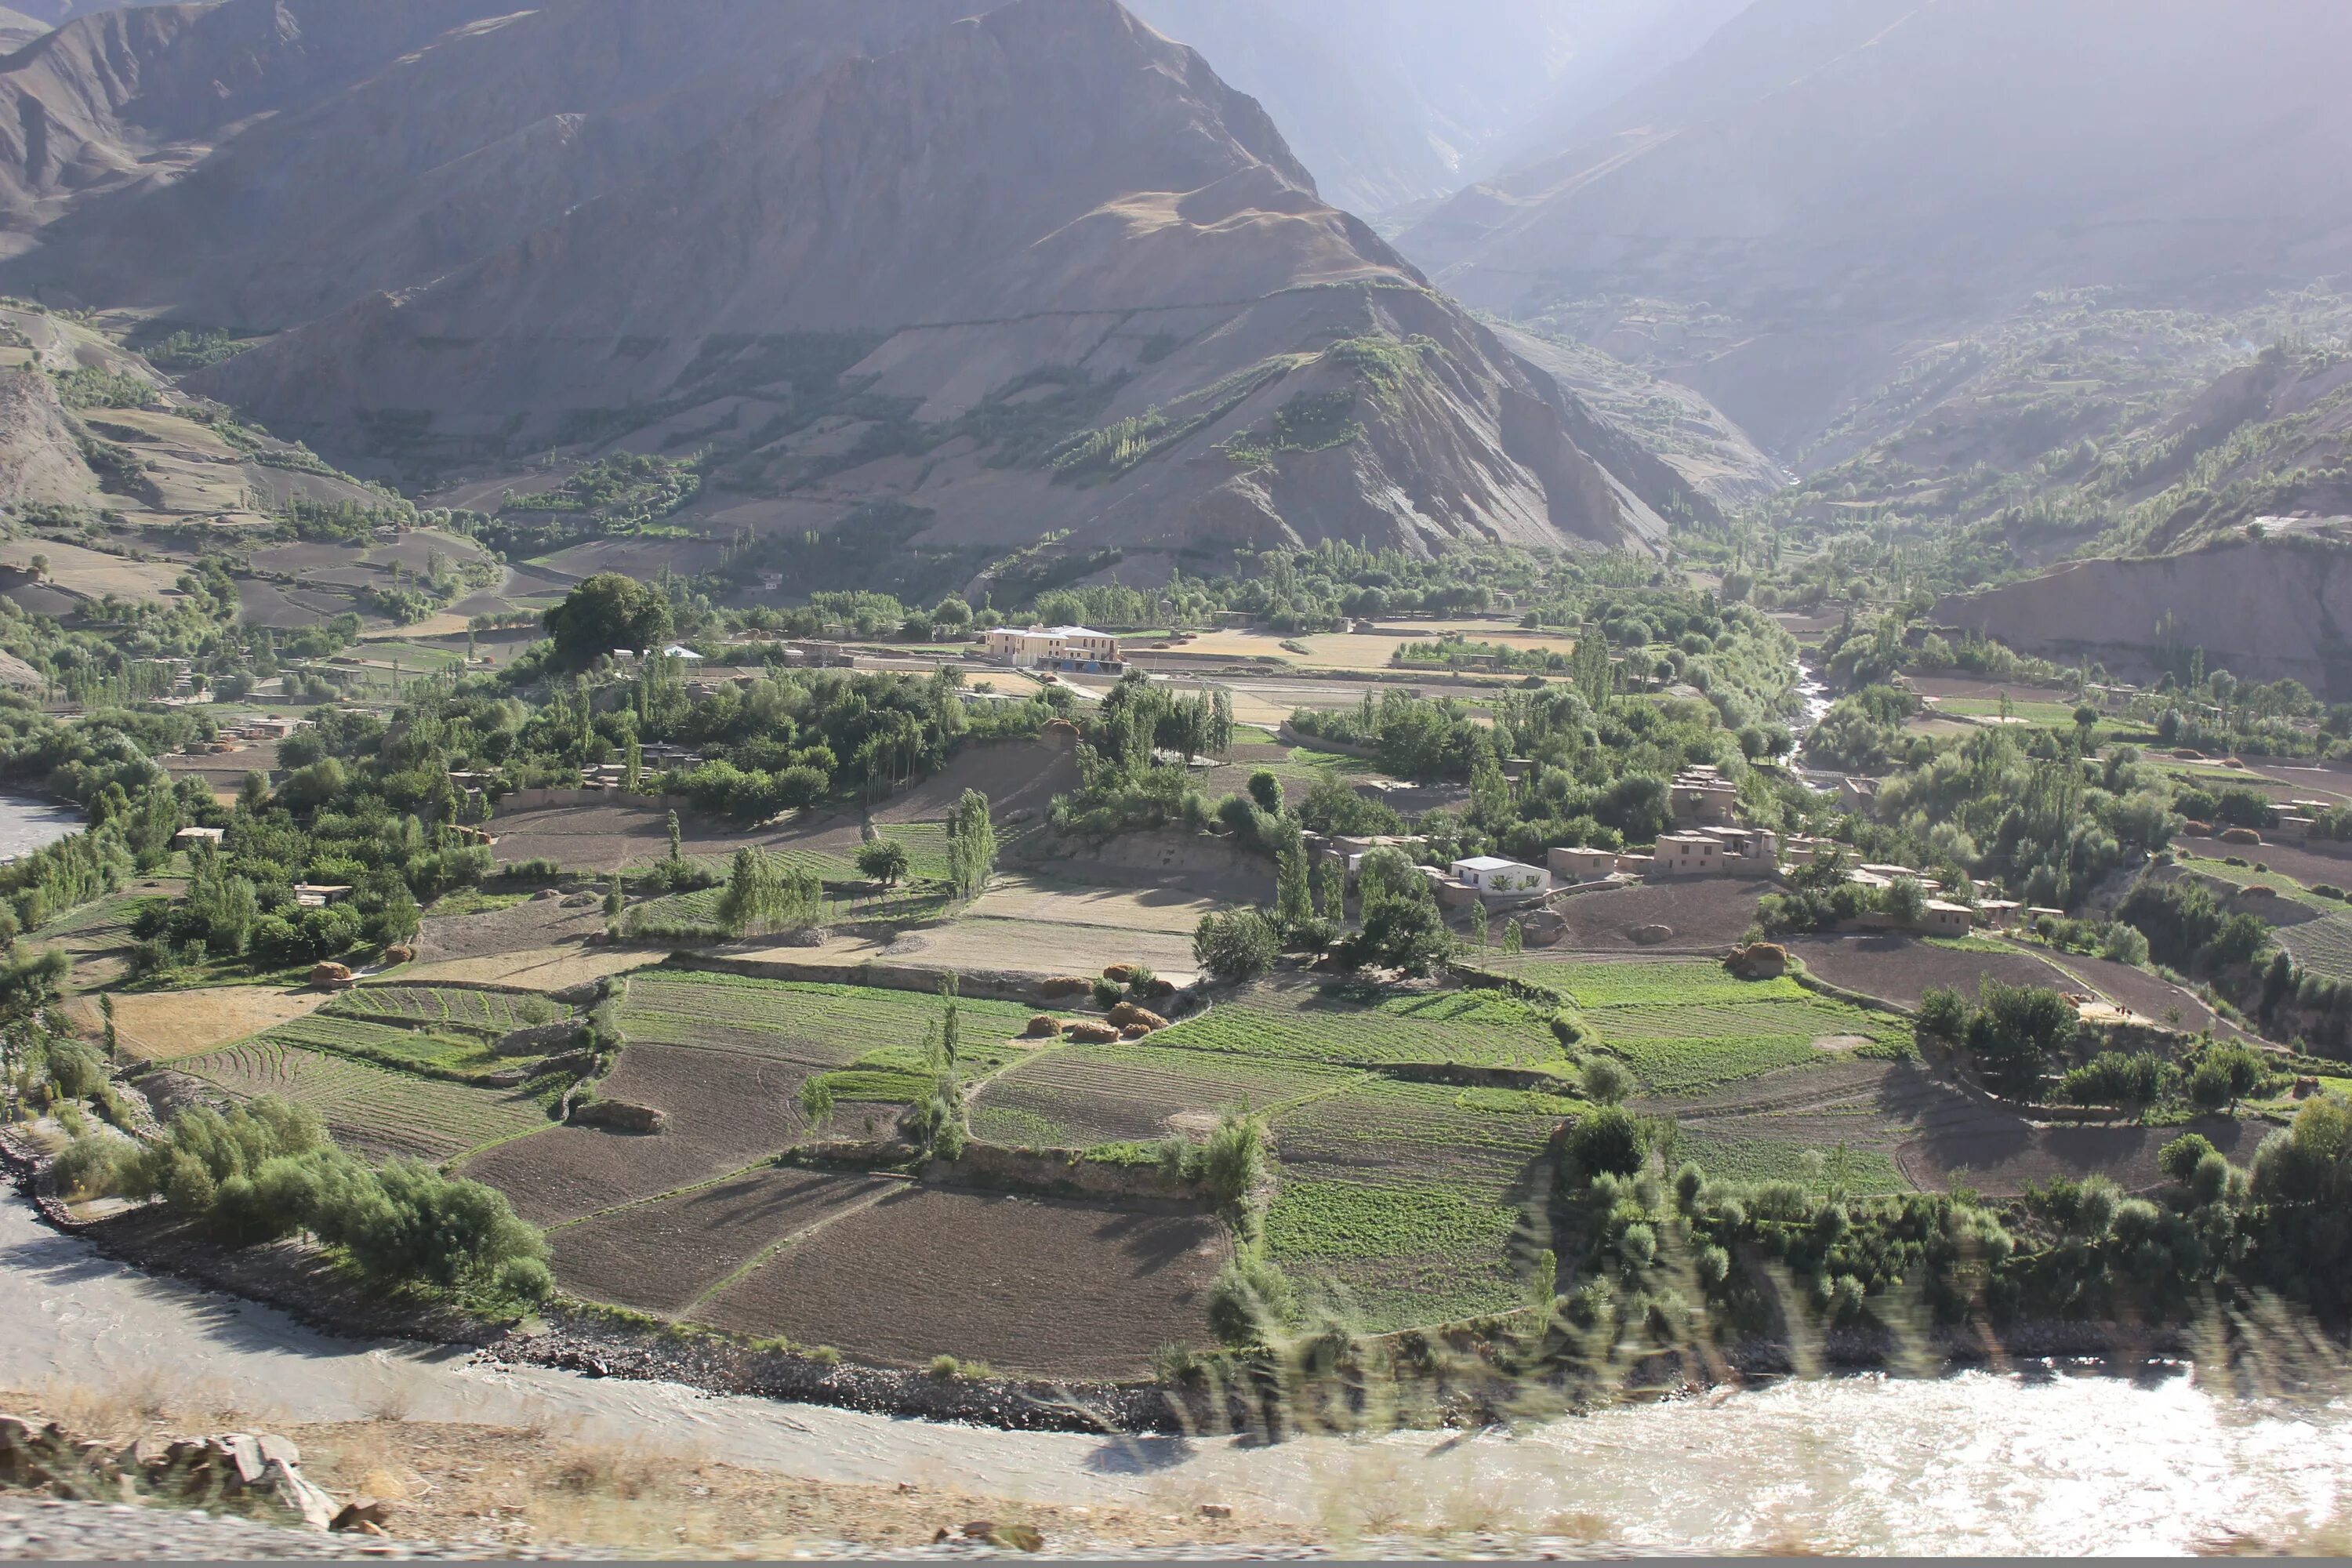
[
  {"x": 1828, "y": 181},
  {"x": 1381, "y": 98},
  {"x": 1035, "y": 270}
]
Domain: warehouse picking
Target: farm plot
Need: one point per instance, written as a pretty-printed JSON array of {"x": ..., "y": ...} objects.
[
  {"x": 1056, "y": 1288},
  {"x": 1075, "y": 1096},
  {"x": 1399, "y": 1254},
  {"x": 2314, "y": 866},
  {"x": 1901, "y": 969},
  {"x": 2323, "y": 946},
  {"x": 1380, "y": 1130},
  {"x": 664, "y": 1256},
  {"x": 387, "y": 1045},
  {"x": 2149, "y": 995},
  {"x": 725, "y": 1110},
  {"x": 1738, "y": 1152},
  {"x": 1314, "y": 1024},
  {"x": 1687, "y": 1028},
  {"x": 1709, "y": 914},
  {"x": 1999, "y": 1161},
  {"x": 813, "y": 1025},
  {"x": 370, "y": 1109},
  {"x": 164, "y": 1025},
  {"x": 980, "y": 944},
  {"x": 433, "y": 1007},
  {"x": 535, "y": 924}
]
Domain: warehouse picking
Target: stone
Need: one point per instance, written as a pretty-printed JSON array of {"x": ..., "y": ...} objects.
[
  {"x": 370, "y": 1513},
  {"x": 1651, "y": 935},
  {"x": 620, "y": 1116},
  {"x": 1216, "y": 1510}
]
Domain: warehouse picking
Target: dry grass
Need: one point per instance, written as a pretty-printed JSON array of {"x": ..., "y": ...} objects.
[
  {"x": 543, "y": 969},
  {"x": 1348, "y": 651},
  {"x": 546, "y": 1485},
  {"x": 165, "y": 1026}
]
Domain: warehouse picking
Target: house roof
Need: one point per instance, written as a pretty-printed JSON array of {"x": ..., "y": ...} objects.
[{"x": 1492, "y": 863}]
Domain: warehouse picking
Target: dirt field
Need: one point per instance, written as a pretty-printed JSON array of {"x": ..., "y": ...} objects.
[
  {"x": 663, "y": 1256},
  {"x": 542, "y": 969},
  {"x": 1015, "y": 776},
  {"x": 166, "y": 1025},
  {"x": 533, "y": 925},
  {"x": 2313, "y": 866},
  {"x": 611, "y": 835},
  {"x": 1025, "y": 1285},
  {"x": 1900, "y": 969},
  {"x": 725, "y": 1110},
  {"x": 1704, "y": 915},
  {"x": 1998, "y": 1156},
  {"x": 93, "y": 574},
  {"x": 1350, "y": 650},
  {"x": 2141, "y": 991},
  {"x": 977, "y": 945}
]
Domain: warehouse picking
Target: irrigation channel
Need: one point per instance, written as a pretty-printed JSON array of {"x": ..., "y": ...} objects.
[{"x": 2046, "y": 1461}]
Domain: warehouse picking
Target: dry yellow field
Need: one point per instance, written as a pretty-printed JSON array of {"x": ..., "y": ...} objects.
[
  {"x": 548, "y": 969},
  {"x": 166, "y": 1025},
  {"x": 93, "y": 573},
  {"x": 1348, "y": 651}
]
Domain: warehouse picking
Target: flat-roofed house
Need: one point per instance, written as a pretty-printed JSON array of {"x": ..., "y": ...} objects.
[
  {"x": 1498, "y": 878},
  {"x": 1080, "y": 649},
  {"x": 1688, "y": 854}
]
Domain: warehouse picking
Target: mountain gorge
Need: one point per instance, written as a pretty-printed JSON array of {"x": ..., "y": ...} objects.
[
  {"x": 1030, "y": 272},
  {"x": 1785, "y": 217}
]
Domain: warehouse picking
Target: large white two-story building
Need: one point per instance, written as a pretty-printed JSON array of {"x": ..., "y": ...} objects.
[{"x": 1078, "y": 649}]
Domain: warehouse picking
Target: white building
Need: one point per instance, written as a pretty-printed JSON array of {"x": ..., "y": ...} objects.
[
  {"x": 1078, "y": 649},
  {"x": 1501, "y": 879}
]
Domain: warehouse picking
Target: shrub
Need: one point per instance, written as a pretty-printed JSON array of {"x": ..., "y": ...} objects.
[
  {"x": 1611, "y": 1141},
  {"x": 2180, "y": 1158},
  {"x": 1235, "y": 945},
  {"x": 1250, "y": 1302},
  {"x": 1107, "y": 992},
  {"x": 1606, "y": 1082}
]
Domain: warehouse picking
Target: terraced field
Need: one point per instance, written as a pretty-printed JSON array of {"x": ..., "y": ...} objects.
[
  {"x": 1307, "y": 1023},
  {"x": 389, "y": 1046},
  {"x": 370, "y": 1109},
  {"x": 813, "y": 1024},
  {"x": 2323, "y": 946},
  {"x": 1690, "y": 1026},
  {"x": 1074, "y": 1097},
  {"x": 409, "y": 1006}
]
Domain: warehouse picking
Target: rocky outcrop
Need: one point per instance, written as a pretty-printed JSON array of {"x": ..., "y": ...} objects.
[
  {"x": 619, "y": 1116},
  {"x": 2261, "y": 609}
]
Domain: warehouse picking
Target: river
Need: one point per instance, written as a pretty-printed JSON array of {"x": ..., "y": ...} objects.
[
  {"x": 26, "y": 825},
  {"x": 2045, "y": 1463}
]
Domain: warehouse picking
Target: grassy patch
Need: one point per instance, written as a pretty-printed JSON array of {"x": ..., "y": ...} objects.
[
  {"x": 1756, "y": 1160},
  {"x": 1348, "y": 1219},
  {"x": 1480, "y": 1028},
  {"x": 473, "y": 901}
]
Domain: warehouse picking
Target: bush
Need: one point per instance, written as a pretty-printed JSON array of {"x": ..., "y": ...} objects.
[
  {"x": 2181, "y": 1157},
  {"x": 1606, "y": 1082},
  {"x": 1610, "y": 1141},
  {"x": 1235, "y": 945},
  {"x": 1250, "y": 1302},
  {"x": 1107, "y": 992}
]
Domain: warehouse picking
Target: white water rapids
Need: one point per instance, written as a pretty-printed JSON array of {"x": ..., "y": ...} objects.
[{"x": 1978, "y": 1463}]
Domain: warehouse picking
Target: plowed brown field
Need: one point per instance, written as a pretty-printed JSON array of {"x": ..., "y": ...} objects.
[
  {"x": 1027, "y": 1286},
  {"x": 726, "y": 1110},
  {"x": 662, "y": 1256}
]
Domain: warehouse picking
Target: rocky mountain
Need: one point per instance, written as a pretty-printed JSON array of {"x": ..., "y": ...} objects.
[
  {"x": 1781, "y": 220},
  {"x": 1031, "y": 271},
  {"x": 1395, "y": 104}
]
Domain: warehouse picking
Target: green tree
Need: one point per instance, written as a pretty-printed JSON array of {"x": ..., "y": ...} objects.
[
  {"x": 1331, "y": 877},
  {"x": 1266, "y": 789},
  {"x": 1235, "y": 945},
  {"x": 1514, "y": 938},
  {"x": 971, "y": 845},
  {"x": 608, "y": 611},
  {"x": 677, "y": 841},
  {"x": 884, "y": 860},
  {"x": 816, "y": 1101},
  {"x": 1606, "y": 1082},
  {"x": 1293, "y": 897},
  {"x": 1479, "y": 930}
]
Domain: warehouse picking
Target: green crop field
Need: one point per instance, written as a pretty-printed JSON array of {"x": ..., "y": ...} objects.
[
  {"x": 1391, "y": 1256},
  {"x": 388, "y": 1044},
  {"x": 1652, "y": 984},
  {"x": 371, "y": 1107},
  {"x": 868, "y": 1043},
  {"x": 1074, "y": 1097},
  {"x": 1735, "y": 1157},
  {"x": 1378, "y": 1128},
  {"x": 1479, "y": 1029},
  {"x": 2323, "y": 946},
  {"x": 408, "y": 1007}
]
